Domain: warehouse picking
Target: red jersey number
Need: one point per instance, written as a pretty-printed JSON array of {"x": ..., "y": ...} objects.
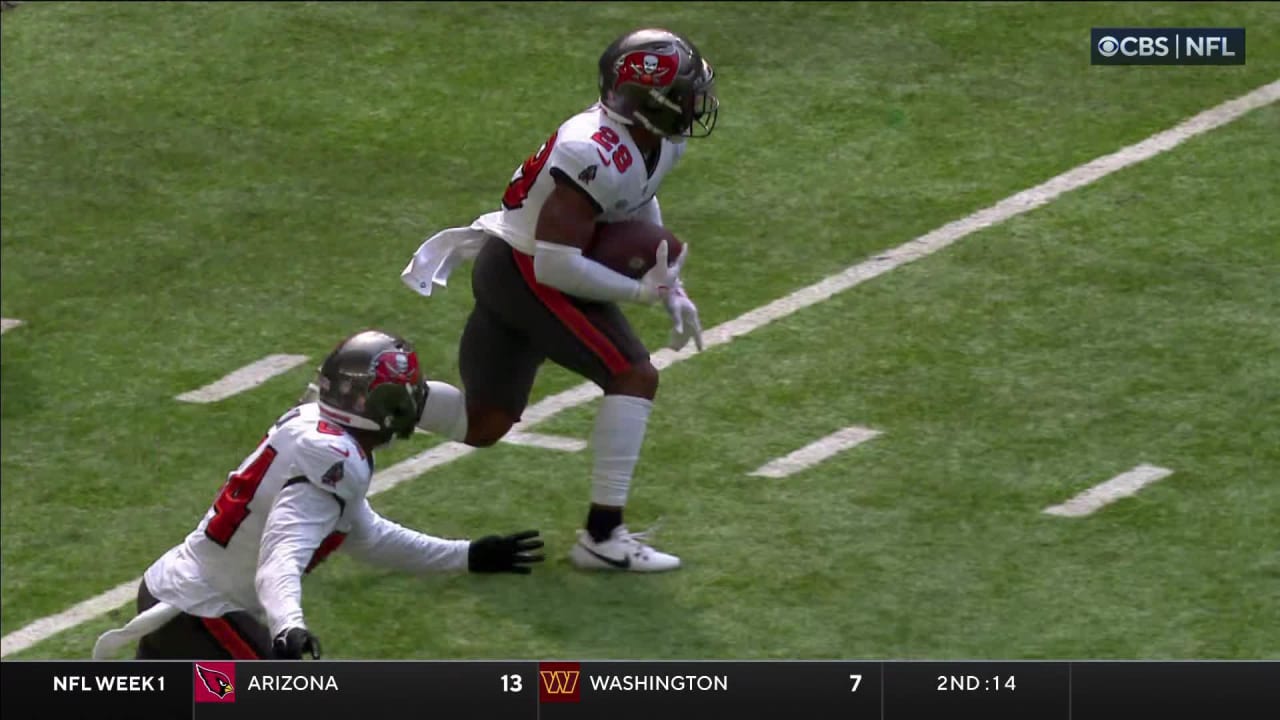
[
  {"x": 518, "y": 190},
  {"x": 609, "y": 140},
  {"x": 232, "y": 505}
]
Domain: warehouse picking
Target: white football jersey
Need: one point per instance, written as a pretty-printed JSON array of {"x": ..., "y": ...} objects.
[
  {"x": 221, "y": 554},
  {"x": 598, "y": 154}
]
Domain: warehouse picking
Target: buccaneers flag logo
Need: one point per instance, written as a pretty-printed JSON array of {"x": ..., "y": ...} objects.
[
  {"x": 214, "y": 684},
  {"x": 400, "y": 368},
  {"x": 646, "y": 68}
]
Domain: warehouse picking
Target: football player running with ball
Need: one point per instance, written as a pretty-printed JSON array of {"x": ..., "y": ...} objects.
[
  {"x": 537, "y": 296},
  {"x": 233, "y": 588}
]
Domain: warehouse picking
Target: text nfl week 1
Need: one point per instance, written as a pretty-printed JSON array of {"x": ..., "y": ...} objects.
[
  {"x": 155, "y": 683},
  {"x": 108, "y": 683}
]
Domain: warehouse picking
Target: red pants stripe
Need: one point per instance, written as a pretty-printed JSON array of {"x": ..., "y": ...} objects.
[
  {"x": 572, "y": 317},
  {"x": 229, "y": 638}
]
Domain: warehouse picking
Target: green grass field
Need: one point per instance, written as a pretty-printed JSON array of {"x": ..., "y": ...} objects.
[{"x": 190, "y": 187}]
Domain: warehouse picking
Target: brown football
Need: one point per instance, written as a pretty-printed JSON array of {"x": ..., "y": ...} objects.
[{"x": 629, "y": 247}]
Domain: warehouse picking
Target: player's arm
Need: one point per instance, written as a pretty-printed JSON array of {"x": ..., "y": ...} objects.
[
  {"x": 379, "y": 541},
  {"x": 566, "y": 225},
  {"x": 685, "y": 323},
  {"x": 302, "y": 516},
  {"x": 565, "y": 228}
]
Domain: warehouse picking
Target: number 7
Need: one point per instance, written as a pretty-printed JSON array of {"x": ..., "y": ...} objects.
[{"x": 857, "y": 680}]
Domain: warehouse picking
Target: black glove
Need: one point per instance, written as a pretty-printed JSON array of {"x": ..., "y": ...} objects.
[
  {"x": 292, "y": 642},
  {"x": 508, "y": 553}
]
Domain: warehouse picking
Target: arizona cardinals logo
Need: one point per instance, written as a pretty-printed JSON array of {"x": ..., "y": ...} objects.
[
  {"x": 646, "y": 68},
  {"x": 400, "y": 368},
  {"x": 215, "y": 681}
]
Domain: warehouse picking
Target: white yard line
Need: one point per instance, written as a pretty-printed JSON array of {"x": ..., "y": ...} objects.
[
  {"x": 537, "y": 440},
  {"x": 7, "y": 324},
  {"x": 546, "y": 442},
  {"x": 1099, "y": 496},
  {"x": 249, "y": 376},
  {"x": 816, "y": 452},
  {"x": 922, "y": 246},
  {"x": 90, "y": 609}
]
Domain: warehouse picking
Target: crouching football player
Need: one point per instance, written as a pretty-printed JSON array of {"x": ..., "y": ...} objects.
[{"x": 233, "y": 588}]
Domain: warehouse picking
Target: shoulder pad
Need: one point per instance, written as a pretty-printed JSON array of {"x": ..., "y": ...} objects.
[
  {"x": 585, "y": 163},
  {"x": 332, "y": 461}
]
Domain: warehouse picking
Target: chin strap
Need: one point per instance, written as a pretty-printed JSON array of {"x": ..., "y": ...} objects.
[{"x": 649, "y": 126}]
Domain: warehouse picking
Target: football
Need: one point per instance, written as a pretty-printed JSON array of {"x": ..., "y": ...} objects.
[{"x": 629, "y": 247}]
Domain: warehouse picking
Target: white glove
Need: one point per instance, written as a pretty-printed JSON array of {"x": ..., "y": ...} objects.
[
  {"x": 656, "y": 284},
  {"x": 684, "y": 319}
]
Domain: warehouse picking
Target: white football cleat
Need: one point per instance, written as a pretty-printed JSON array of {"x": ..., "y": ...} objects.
[{"x": 623, "y": 550}]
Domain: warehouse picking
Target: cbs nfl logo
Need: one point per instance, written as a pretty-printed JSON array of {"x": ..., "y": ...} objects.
[{"x": 1167, "y": 46}]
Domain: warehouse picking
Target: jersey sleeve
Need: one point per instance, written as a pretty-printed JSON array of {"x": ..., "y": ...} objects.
[
  {"x": 378, "y": 541},
  {"x": 584, "y": 163},
  {"x": 301, "y": 517}
]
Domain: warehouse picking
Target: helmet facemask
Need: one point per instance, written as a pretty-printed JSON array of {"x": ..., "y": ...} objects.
[
  {"x": 704, "y": 106},
  {"x": 397, "y": 408}
]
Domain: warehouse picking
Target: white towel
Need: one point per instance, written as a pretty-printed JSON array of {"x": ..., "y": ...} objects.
[
  {"x": 439, "y": 255},
  {"x": 147, "y": 622}
]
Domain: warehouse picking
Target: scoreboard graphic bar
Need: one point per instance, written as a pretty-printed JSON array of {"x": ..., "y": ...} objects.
[{"x": 622, "y": 690}]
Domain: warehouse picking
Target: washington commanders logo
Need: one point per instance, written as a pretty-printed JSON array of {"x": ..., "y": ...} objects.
[
  {"x": 646, "y": 68},
  {"x": 215, "y": 682},
  {"x": 558, "y": 682}
]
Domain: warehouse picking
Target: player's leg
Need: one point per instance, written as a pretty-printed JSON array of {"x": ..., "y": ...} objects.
[
  {"x": 240, "y": 634},
  {"x": 498, "y": 367},
  {"x": 497, "y": 363},
  {"x": 186, "y": 637},
  {"x": 596, "y": 341},
  {"x": 618, "y": 434},
  {"x": 617, "y": 439},
  {"x": 178, "y": 639}
]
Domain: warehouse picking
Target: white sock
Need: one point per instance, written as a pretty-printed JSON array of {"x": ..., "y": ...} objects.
[
  {"x": 445, "y": 412},
  {"x": 616, "y": 440}
]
